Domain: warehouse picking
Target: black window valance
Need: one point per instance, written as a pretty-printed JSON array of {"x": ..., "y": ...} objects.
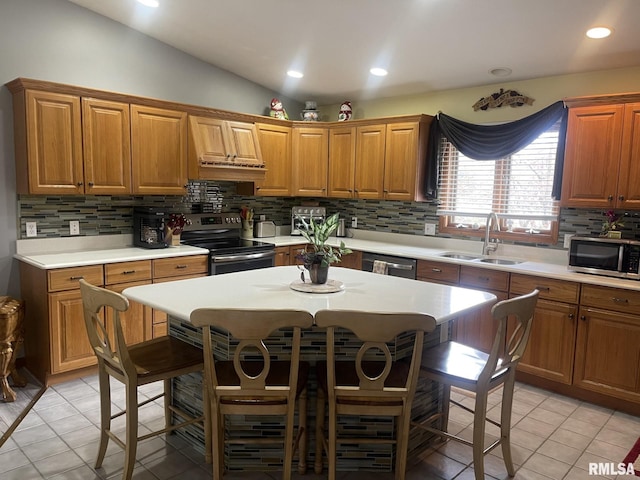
[{"x": 491, "y": 142}]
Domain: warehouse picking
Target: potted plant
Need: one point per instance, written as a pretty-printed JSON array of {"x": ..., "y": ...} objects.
[
  {"x": 317, "y": 259},
  {"x": 612, "y": 225}
]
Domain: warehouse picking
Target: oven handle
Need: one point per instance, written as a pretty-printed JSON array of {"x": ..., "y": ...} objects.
[{"x": 241, "y": 256}]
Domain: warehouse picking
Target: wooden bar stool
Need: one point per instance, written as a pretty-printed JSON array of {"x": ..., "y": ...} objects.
[
  {"x": 454, "y": 364},
  {"x": 146, "y": 362},
  {"x": 253, "y": 383},
  {"x": 361, "y": 387},
  {"x": 11, "y": 337}
]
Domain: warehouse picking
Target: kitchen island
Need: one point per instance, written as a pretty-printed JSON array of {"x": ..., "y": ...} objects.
[{"x": 270, "y": 288}]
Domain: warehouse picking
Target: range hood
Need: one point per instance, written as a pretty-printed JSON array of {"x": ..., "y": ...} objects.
[{"x": 224, "y": 150}]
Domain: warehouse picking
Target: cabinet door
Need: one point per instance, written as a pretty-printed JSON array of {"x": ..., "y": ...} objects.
[
  {"x": 243, "y": 139},
  {"x": 54, "y": 143},
  {"x": 401, "y": 159},
  {"x": 310, "y": 161},
  {"x": 629, "y": 179},
  {"x": 549, "y": 353},
  {"x": 607, "y": 353},
  {"x": 478, "y": 329},
  {"x": 282, "y": 256},
  {"x": 70, "y": 347},
  {"x": 158, "y": 150},
  {"x": 106, "y": 133},
  {"x": 592, "y": 156},
  {"x": 370, "y": 144},
  {"x": 352, "y": 260},
  {"x": 136, "y": 321},
  {"x": 210, "y": 141},
  {"x": 275, "y": 145},
  {"x": 342, "y": 161}
]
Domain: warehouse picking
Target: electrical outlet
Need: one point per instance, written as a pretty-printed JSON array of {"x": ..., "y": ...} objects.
[
  {"x": 32, "y": 229},
  {"x": 354, "y": 222},
  {"x": 567, "y": 238},
  {"x": 74, "y": 227},
  {"x": 429, "y": 229}
]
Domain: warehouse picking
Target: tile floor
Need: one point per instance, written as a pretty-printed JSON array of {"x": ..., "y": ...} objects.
[{"x": 553, "y": 437}]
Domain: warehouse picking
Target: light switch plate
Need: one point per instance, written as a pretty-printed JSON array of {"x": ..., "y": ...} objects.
[
  {"x": 429, "y": 229},
  {"x": 567, "y": 238}
]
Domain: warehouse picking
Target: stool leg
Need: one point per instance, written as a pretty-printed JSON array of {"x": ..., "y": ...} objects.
[
  {"x": 303, "y": 441},
  {"x": 131, "y": 443},
  {"x": 320, "y": 403},
  {"x": 505, "y": 424},
  {"x": 18, "y": 380},
  {"x": 479, "y": 423},
  {"x": 105, "y": 412},
  {"x": 6, "y": 353}
]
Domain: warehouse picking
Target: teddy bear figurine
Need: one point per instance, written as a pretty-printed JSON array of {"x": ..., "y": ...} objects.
[
  {"x": 277, "y": 110},
  {"x": 345, "y": 112}
]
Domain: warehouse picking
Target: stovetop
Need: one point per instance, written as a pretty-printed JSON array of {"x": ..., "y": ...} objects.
[{"x": 220, "y": 234}]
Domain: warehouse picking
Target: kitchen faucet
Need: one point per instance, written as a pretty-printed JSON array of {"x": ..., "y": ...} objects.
[{"x": 490, "y": 246}]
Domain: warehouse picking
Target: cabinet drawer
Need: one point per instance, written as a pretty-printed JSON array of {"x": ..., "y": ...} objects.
[
  {"x": 180, "y": 266},
  {"x": 438, "y": 271},
  {"x": 67, "y": 278},
  {"x": 127, "y": 272},
  {"x": 558, "y": 290},
  {"x": 617, "y": 299},
  {"x": 484, "y": 278}
]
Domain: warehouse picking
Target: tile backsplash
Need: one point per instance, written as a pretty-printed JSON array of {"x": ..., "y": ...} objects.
[{"x": 104, "y": 215}]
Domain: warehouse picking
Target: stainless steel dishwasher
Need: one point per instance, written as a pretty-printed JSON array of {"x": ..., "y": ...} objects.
[{"x": 396, "y": 266}]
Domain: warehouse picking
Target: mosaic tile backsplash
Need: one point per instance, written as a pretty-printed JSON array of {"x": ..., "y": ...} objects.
[{"x": 104, "y": 215}]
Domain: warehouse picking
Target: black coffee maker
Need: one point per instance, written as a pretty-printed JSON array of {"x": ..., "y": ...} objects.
[{"x": 149, "y": 228}]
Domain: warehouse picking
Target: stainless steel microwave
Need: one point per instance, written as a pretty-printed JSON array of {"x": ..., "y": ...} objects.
[{"x": 605, "y": 256}]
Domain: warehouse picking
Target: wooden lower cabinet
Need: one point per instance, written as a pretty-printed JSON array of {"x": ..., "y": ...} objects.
[
  {"x": 352, "y": 260},
  {"x": 551, "y": 348},
  {"x": 478, "y": 329},
  {"x": 282, "y": 256},
  {"x": 70, "y": 347}
]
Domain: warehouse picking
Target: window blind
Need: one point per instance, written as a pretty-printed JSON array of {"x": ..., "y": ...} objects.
[{"x": 518, "y": 188}]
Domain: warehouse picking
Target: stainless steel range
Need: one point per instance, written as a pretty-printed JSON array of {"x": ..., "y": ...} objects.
[{"x": 228, "y": 251}]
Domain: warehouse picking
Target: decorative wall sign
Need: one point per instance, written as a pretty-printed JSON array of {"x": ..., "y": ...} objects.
[{"x": 502, "y": 99}]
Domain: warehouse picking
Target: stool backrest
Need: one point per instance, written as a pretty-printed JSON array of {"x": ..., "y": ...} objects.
[
  {"x": 374, "y": 330},
  {"x": 116, "y": 356},
  {"x": 507, "y": 352},
  {"x": 251, "y": 328}
]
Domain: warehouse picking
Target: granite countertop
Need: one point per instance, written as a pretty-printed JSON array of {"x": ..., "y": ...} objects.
[{"x": 543, "y": 262}]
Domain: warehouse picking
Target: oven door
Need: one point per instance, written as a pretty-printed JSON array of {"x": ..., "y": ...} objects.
[{"x": 239, "y": 262}]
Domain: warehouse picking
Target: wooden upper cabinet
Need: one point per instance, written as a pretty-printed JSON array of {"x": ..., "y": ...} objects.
[
  {"x": 310, "y": 161},
  {"x": 342, "y": 161},
  {"x": 629, "y": 179},
  {"x": 158, "y": 150},
  {"x": 403, "y": 161},
  {"x": 106, "y": 131},
  {"x": 602, "y": 154},
  {"x": 48, "y": 139},
  {"x": 370, "y": 153},
  {"x": 275, "y": 145}
]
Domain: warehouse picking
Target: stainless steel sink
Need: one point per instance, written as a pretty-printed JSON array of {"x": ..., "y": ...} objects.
[
  {"x": 459, "y": 256},
  {"x": 501, "y": 261}
]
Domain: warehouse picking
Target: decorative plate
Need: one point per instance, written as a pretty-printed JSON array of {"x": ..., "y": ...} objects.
[{"x": 332, "y": 286}]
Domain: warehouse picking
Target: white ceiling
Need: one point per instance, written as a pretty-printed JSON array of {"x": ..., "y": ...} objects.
[{"x": 427, "y": 45}]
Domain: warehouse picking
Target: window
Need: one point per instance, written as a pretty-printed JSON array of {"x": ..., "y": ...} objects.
[{"x": 517, "y": 188}]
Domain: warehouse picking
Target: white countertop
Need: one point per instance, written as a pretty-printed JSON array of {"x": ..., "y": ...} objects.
[
  {"x": 543, "y": 262},
  {"x": 268, "y": 288}
]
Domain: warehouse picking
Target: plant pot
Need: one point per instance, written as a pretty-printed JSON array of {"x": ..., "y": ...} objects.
[
  {"x": 614, "y": 234},
  {"x": 318, "y": 273}
]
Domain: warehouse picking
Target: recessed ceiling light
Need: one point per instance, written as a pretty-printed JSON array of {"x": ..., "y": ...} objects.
[
  {"x": 378, "y": 72},
  {"x": 150, "y": 3},
  {"x": 295, "y": 74},
  {"x": 500, "y": 72},
  {"x": 598, "y": 32}
]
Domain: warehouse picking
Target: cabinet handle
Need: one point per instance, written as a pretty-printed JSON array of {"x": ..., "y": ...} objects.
[
  {"x": 619, "y": 300},
  {"x": 483, "y": 279},
  {"x": 583, "y": 318},
  {"x": 610, "y": 198},
  {"x": 235, "y": 155},
  {"x": 80, "y": 277},
  {"x": 128, "y": 272},
  {"x": 228, "y": 155},
  {"x": 180, "y": 267},
  {"x": 621, "y": 198},
  {"x": 436, "y": 270},
  {"x": 91, "y": 184},
  {"x": 80, "y": 184},
  {"x": 571, "y": 316},
  {"x": 542, "y": 289}
]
